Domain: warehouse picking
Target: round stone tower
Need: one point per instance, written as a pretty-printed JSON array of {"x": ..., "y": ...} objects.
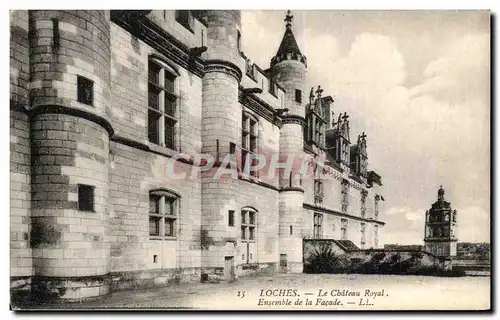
[
  {"x": 70, "y": 101},
  {"x": 221, "y": 130},
  {"x": 288, "y": 69}
]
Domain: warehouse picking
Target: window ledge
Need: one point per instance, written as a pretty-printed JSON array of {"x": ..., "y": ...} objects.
[
  {"x": 88, "y": 211},
  {"x": 162, "y": 238},
  {"x": 161, "y": 149}
]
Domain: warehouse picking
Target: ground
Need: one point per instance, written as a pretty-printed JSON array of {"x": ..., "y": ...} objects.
[{"x": 322, "y": 291}]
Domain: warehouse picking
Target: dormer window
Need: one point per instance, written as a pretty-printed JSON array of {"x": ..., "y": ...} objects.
[
  {"x": 272, "y": 87},
  {"x": 185, "y": 18}
]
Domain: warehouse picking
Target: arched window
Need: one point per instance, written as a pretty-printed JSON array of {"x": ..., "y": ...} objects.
[{"x": 163, "y": 213}]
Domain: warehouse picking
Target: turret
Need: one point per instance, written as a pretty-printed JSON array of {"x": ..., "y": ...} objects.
[
  {"x": 288, "y": 68},
  {"x": 70, "y": 103},
  {"x": 221, "y": 132}
]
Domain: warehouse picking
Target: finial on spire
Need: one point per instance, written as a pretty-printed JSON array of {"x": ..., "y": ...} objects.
[
  {"x": 440, "y": 193},
  {"x": 288, "y": 19}
]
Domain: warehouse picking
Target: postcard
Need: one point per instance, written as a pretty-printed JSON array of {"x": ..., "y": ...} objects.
[{"x": 250, "y": 160}]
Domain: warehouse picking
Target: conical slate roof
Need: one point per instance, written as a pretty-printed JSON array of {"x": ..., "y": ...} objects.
[
  {"x": 288, "y": 44},
  {"x": 288, "y": 49}
]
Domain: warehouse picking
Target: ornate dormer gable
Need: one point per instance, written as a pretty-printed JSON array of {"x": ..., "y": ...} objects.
[
  {"x": 315, "y": 118},
  {"x": 338, "y": 144},
  {"x": 359, "y": 157}
]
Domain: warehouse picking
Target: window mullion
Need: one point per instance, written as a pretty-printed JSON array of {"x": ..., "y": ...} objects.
[{"x": 162, "y": 213}]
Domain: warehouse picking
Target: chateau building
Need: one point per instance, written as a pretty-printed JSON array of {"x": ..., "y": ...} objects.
[
  {"x": 440, "y": 226},
  {"x": 101, "y": 101}
]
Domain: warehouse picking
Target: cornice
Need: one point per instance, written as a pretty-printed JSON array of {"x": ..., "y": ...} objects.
[
  {"x": 153, "y": 35},
  {"x": 340, "y": 214},
  {"x": 260, "y": 107},
  {"x": 293, "y": 119},
  {"x": 224, "y": 67}
]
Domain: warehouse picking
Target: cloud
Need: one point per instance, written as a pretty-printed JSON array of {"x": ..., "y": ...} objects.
[{"x": 422, "y": 133}]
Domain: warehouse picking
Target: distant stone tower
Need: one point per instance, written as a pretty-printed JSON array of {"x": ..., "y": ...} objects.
[
  {"x": 440, "y": 226},
  {"x": 70, "y": 101},
  {"x": 223, "y": 64},
  {"x": 288, "y": 69}
]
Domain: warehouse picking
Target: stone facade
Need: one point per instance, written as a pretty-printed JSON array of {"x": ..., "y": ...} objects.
[{"x": 102, "y": 101}]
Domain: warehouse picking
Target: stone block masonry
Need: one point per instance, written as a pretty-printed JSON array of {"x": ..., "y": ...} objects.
[{"x": 92, "y": 131}]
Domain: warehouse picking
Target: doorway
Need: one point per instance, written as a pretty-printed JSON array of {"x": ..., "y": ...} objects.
[
  {"x": 283, "y": 263},
  {"x": 229, "y": 268}
]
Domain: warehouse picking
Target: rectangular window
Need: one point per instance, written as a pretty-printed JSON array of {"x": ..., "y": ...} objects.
[
  {"x": 85, "y": 197},
  {"x": 375, "y": 236},
  {"x": 249, "y": 140},
  {"x": 377, "y": 200},
  {"x": 154, "y": 226},
  {"x": 345, "y": 195},
  {"x": 363, "y": 203},
  {"x": 343, "y": 229},
  {"x": 298, "y": 96},
  {"x": 162, "y": 105},
  {"x": 230, "y": 218},
  {"x": 85, "y": 91},
  {"x": 318, "y": 191},
  {"x": 252, "y": 233},
  {"x": 56, "y": 35},
  {"x": 272, "y": 87},
  {"x": 318, "y": 132},
  {"x": 318, "y": 225},
  {"x": 162, "y": 215}
]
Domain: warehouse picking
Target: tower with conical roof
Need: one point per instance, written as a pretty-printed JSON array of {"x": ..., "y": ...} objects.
[
  {"x": 288, "y": 69},
  {"x": 440, "y": 225}
]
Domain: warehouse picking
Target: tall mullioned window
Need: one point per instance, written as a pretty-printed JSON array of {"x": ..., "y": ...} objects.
[
  {"x": 345, "y": 195},
  {"x": 343, "y": 229},
  {"x": 375, "y": 236},
  {"x": 162, "y": 104},
  {"x": 363, "y": 203},
  {"x": 363, "y": 235},
  {"x": 163, "y": 213},
  {"x": 249, "y": 139},
  {"x": 318, "y": 225},
  {"x": 248, "y": 231}
]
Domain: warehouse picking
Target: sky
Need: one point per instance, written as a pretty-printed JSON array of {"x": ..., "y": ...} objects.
[{"x": 418, "y": 84}]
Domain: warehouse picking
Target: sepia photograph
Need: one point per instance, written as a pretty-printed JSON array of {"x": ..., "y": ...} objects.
[{"x": 250, "y": 160}]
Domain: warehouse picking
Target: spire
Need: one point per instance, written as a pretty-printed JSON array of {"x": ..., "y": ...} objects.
[{"x": 288, "y": 49}]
